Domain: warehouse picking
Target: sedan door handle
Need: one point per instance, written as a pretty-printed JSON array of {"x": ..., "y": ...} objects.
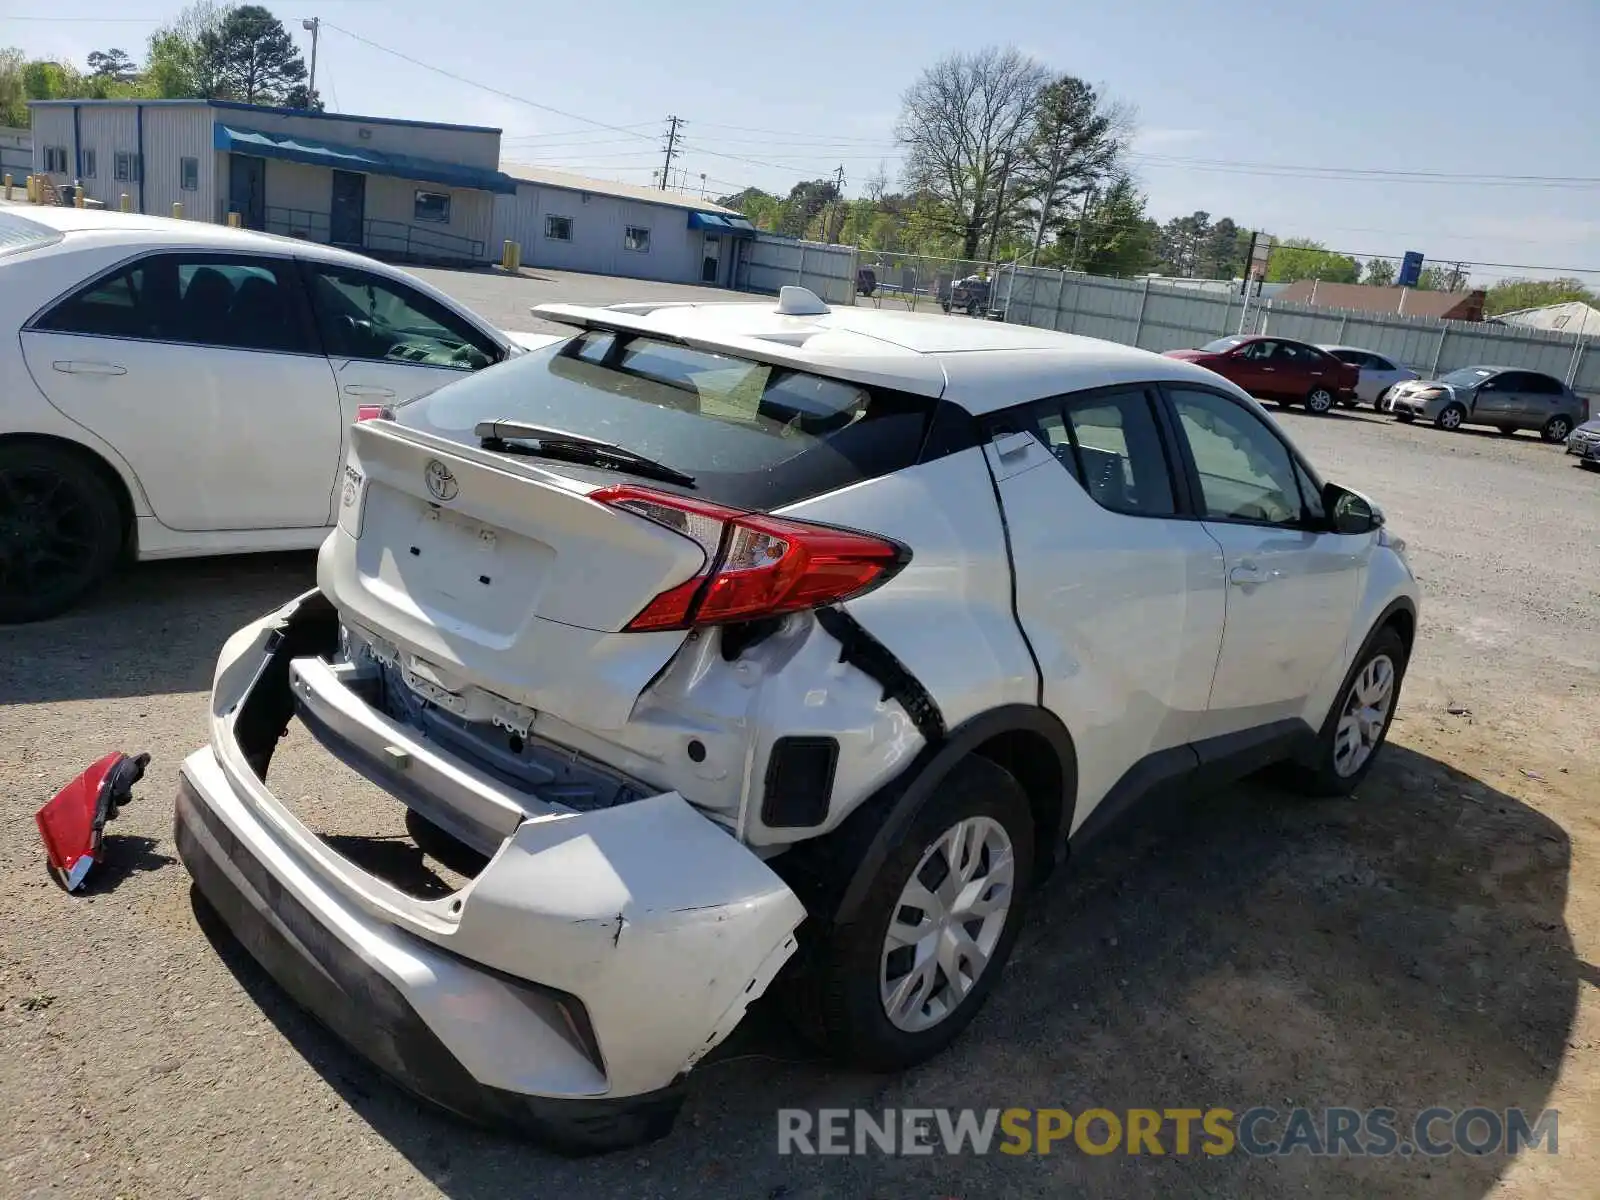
[
  {"x": 367, "y": 389},
  {"x": 80, "y": 367}
]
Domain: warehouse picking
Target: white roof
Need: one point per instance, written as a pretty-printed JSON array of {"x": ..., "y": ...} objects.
[
  {"x": 981, "y": 365},
  {"x": 112, "y": 224},
  {"x": 1569, "y": 317},
  {"x": 545, "y": 177}
]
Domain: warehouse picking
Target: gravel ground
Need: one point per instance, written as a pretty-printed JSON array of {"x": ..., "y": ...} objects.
[{"x": 1431, "y": 942}]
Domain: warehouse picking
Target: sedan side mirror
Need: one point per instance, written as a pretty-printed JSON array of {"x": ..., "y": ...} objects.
[{"x": 1350, "y": 512}]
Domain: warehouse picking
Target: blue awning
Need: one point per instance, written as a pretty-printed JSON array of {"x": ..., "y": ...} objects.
[
  {"x": 721, "y": 223},
  {"x": 296, "y": 148}
]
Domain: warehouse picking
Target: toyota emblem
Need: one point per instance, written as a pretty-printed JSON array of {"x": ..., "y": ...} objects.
[{"x": 441, "y": 482}]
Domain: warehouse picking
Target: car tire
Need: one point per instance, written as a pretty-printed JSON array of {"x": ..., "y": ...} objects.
[
  {"x": 1377, "y": 405},
  {"x": 1556, "y": 429},
  {"x": 1450, "y": 417},
  {"x": 841, "y": 994},
  {"x": 1319, "y": 401},
  {"x": 61, "y": 530},
  {"x": 1349, "y": 741}
]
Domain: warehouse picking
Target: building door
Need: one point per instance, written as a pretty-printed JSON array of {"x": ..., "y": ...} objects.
[
  {"x": 347, "y": 214},
  {"x": 247, "y": 189},
  {"x": 712, "y": 259}
]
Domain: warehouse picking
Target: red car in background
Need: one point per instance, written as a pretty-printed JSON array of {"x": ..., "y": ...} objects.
[{"x": 1278, "y": 369}]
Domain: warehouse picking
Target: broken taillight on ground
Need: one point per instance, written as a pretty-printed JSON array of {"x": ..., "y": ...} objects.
[{"x": 73, "y": 822}]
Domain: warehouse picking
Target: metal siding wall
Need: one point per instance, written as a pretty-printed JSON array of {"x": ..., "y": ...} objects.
[
  {"x": 107, "y": 131},
  {"x": 772, "y": 262},
  {"x": 391, "y": 199},
  {"x": 599, "y": 224},
  {"x": 52, "y": 126},
  {"x": 1163, "y": 316},
  {"x": 173, "y": 132},
  {"x": 301, "y": 188},
  {"x": 443, "y": 145}
]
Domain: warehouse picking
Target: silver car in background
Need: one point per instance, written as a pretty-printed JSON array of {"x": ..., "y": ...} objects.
[
  {"x": 1378, "y": 374},
  {"x": 1504, "y": 397},
  {"x": 1585, "y": 443}
]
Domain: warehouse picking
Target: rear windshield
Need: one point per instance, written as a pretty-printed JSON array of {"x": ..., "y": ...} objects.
[
  {"x": 19, "y": 233},
  {"x": 752, "y": 434}
]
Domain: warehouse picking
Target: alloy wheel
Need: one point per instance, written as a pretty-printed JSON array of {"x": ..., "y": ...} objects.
[
  {"x": 1450, "y": 418},
  {"x": 47, "y": 531},
  {"x": 1320, "y": 401},
  {"x": 1556, "y": 429},
  {"x": 947, "y": 923},
  {"x": 1365, "y": 716}
]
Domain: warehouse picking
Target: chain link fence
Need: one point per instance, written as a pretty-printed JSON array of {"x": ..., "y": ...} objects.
[{"x": 929, "y": 283}]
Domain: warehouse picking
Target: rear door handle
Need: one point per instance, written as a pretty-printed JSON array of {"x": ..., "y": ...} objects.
[
  {"x": 81, "y": 367},
  {"x": 367, "y": 389}
]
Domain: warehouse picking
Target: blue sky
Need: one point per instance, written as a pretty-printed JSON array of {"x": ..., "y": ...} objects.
[{"x": 775, "y": 94}]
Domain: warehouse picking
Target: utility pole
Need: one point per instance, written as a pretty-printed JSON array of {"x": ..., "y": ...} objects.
[
  {"x": 314, "y": 24},
  {"x": 838, "y": 199},
  {"x": 672, "y": 148},
  {"x": 1083, "y": 219}
]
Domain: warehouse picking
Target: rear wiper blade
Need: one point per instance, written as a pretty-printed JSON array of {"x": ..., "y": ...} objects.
[{"x": 520, "y": 437}]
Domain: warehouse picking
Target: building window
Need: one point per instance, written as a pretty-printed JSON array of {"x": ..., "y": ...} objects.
[
  {"x": 431, "y": 206},
  {"x": 127, "y": 167},
  {"x": 88, "y": 163},
  {"x": 189, "y": 174},
  {"x": 55, "y": 160},
  {"x": 558, "y": 229},
  {"x": 636, "y": 237}
]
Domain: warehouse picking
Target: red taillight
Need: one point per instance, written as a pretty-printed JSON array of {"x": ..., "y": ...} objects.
[
  {"x": 756, "y": 565},
  {"x": 373, "y": 412}
]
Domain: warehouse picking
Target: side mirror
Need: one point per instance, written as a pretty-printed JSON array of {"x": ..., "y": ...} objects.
[{"x": 1350, "y": 512}]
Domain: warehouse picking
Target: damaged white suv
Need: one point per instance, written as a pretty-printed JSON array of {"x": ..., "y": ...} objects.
[{"x": 721, "y": 641}]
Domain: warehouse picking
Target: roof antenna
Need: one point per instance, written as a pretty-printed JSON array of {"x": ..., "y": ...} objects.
[{"x": 800, "y": 302}]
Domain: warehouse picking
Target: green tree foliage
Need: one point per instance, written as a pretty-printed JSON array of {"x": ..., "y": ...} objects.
[
  {"x": 1118, "y": 239},
  {"x": 112, "y": 65},
  {"x": 1076, "y": 141},
  {"x": 255, "y": 58},
  {"x": 1379, "y": 272},
  {"x": 1301, "y": 258},
  {"x": 1512, "y": 295},
  {"x": 1183, "y": 247}
]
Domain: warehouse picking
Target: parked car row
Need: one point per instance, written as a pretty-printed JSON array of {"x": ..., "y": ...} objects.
[{"x": 1505, "y": 398}]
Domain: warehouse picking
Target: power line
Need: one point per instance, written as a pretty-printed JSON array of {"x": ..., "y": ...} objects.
[{"x": 1444, "y": 176}]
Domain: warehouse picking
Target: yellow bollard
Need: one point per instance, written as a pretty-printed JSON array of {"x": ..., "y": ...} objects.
[
  {"x": 33, "y": 191},
  {"x": 8, "y": 187},
  {"x": 126, "y": 203},
  {"x": 235, "y": 221},
  {"x": 177, "y": 210},
  {"x": 78, "y": 197},
  {"x": 511, "y": 256}
]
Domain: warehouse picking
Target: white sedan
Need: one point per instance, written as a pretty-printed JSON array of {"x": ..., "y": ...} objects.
[
  {"x": 177, "y": 388},
  {"x": 1378, "y": 374}
]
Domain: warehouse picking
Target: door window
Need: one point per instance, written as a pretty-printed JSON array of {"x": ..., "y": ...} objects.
[
  {"x": 362, "y": 315},
  {"x": 237, "y": 302},
  {"x": 1357, "y": 358},
  {"x": 1379, "y": 363},
  {"x": 1246, "y": 472},
  {"x": 1110, "y": 445}
]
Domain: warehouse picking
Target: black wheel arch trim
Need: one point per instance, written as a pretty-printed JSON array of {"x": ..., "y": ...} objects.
[{"x": 911, "y": 788}]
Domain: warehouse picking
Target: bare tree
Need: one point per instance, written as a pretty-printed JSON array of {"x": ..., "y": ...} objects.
[{"x": 963, "y": 124}]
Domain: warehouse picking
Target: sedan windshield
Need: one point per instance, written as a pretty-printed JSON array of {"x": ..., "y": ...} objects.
[
  {"x": 1466, "y": 376},
  {"x": 1222, "y": 345}
]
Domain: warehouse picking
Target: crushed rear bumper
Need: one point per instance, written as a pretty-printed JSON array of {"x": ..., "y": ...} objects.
[{"x": 564, "y": 992}]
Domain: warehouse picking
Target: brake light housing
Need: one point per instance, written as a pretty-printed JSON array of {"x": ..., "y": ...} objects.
[
  {"x": 373, "y": 412},
  {"x": 756, "y": 565}
]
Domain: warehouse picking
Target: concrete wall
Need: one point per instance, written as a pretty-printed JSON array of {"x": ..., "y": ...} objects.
[
  {"x": 599, "y": 224},
  {"x": 464, "y": 147}
]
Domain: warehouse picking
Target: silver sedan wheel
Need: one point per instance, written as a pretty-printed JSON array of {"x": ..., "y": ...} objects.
[
  {"x": 1366, "y": 711},
  {"x": 1320, "y": 401},
  {"x": 1450, "y": 418},
  {"x": 946, "y": 924}
]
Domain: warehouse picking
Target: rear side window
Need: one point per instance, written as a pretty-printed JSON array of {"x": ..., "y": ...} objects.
[
  {"x": 753, "y": 434},
  {"x": 1354, "y": 357},
  {"x": 1540, "y": 385},
  {"x": 1110, "y": 445}
]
